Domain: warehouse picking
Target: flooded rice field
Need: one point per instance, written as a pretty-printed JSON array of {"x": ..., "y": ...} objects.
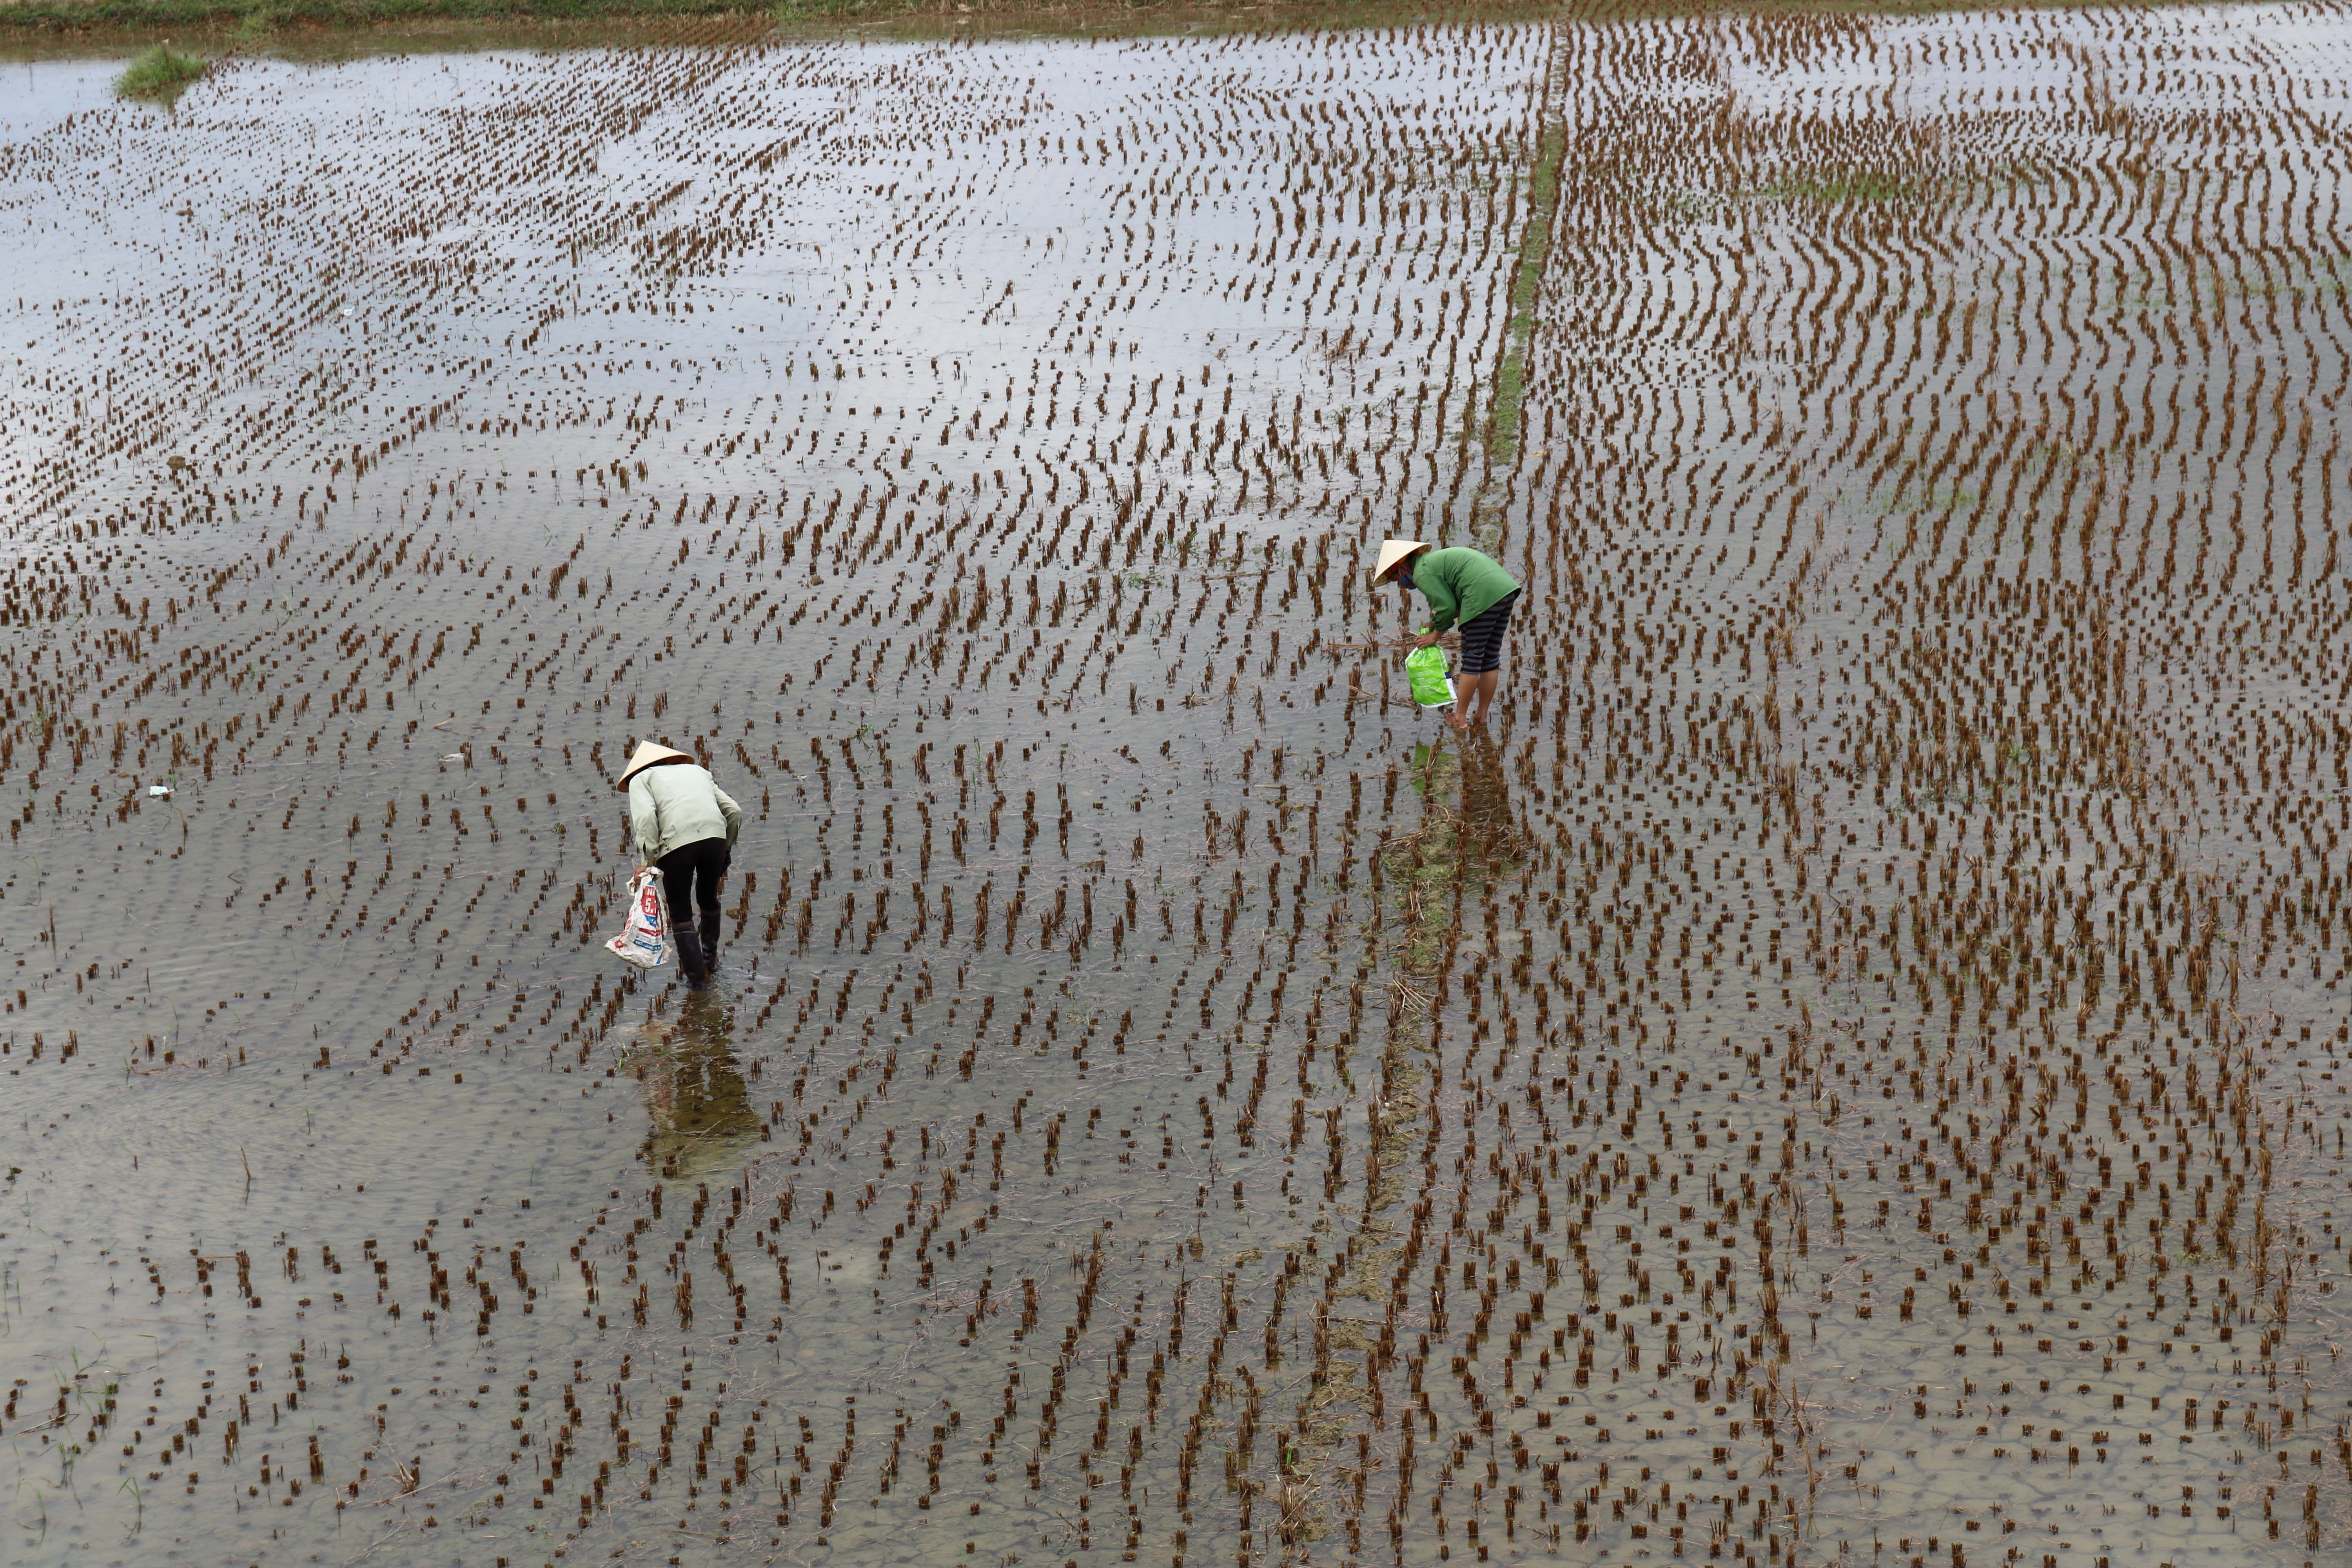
[{"x": 1848, "y": 1068}]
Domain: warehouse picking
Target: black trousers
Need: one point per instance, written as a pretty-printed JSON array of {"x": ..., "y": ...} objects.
[
  {"x": 690, "y": 876},
  {"x": 1482, "y": 636}
]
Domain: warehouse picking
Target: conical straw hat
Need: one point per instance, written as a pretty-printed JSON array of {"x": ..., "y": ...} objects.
[
  {"x": 647, "y": 753},
  {"x": 1394, "y": 553}
]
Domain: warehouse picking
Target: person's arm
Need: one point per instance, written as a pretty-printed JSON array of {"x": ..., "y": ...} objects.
[
  {"x": 644, "y": 818},
  {"x": 1443, "y": 603},
  {"x": 733, "y": 812}
]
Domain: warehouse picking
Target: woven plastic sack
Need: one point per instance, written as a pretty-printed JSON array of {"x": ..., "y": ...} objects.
[
  {"x": 645, "y": 932},
  {"x": 1425, "y": 669}
]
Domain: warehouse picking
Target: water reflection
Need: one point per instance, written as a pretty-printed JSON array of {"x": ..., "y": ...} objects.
[
  {"x": 697, "y": 1102},
  {"x": 1488, "y": 842}
]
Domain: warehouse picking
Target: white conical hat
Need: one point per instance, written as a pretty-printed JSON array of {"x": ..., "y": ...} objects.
[
  {"x": 1394, "y": 553},
  {"x": 647, "y": 753}
]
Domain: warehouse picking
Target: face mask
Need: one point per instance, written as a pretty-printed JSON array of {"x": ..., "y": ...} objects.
[{"x": 1404, "y": 580}]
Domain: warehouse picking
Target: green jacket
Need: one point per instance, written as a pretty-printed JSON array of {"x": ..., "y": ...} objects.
[
  {"x": 1460, "y": 585},
  {"x": 673, "y": 805}
]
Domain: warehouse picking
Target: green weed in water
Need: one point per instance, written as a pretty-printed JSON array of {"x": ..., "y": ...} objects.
[
  {"x": 1855, "y": 186},
  {"x": 160, "y": 73},
  {"x": 1535, "y": 249}
]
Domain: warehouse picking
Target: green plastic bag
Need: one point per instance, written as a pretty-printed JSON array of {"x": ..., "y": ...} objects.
[{"x": 1425, "y": 669}]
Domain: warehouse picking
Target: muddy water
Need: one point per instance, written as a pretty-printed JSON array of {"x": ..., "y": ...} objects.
[{"x": 1843, "y": 1068}]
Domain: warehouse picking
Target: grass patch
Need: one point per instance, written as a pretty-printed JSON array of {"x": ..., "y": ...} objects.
[
  {"x": 224, "y": 19},
  {"x": 1506, "y": 414},
  {"x": 784, "y": 13},
  {"x": 161, "y": 72},
  {"x": 1847, "y": 187},
  {"x": 258, "y": 18},
  {"x": 1844, "y": 185}
]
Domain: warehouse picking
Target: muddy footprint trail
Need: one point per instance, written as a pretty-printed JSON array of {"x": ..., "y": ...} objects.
[{"x": 1848, "y": 1070}]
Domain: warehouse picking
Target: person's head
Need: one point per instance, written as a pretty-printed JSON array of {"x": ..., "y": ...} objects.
[
  {"x": 1394, "y": 563},
  {"x": 649, "y": 754}
]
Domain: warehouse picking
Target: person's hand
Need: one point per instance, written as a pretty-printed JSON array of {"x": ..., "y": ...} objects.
[{"x": 1427, "y": 639}]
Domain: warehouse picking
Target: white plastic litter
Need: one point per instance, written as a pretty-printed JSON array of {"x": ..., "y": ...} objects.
[
  {"x": 159, "y": 792},
  {"x": 453, "y": 757},
  {"x": 644, "y": 933}
]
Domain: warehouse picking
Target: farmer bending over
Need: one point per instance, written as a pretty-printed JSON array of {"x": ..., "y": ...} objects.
[
  {"x": 684, "y": 825},
  {"x": 1461, "y": 585}
]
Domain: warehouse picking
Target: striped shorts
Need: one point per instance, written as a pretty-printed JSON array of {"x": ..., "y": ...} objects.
[{"x": 1482, "y": 636}]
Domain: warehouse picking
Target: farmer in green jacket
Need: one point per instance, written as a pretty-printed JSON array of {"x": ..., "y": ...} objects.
[
  {"x": 1462, "y": 587},
  {"x": 684, "y": 824}
]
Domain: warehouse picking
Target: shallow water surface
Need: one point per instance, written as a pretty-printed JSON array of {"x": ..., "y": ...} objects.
[{"x": 1843, "y": 1068}]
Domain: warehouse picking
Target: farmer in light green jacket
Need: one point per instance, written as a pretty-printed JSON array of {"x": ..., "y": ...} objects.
[
  {"x": 684, "y": 824},
  {"x": 1462, "y": 587}
]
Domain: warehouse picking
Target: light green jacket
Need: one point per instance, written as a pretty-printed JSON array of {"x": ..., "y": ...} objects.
[
  {"x": 677, "y": 804},
  {"x": 1460, "y": 585}
]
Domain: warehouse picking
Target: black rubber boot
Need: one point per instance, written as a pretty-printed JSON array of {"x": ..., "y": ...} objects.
[
  {"x": 710, "y": 943},
  {"x": 691, "y": 958}
]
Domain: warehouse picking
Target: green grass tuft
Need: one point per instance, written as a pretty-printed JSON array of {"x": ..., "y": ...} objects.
[
  {"x": 1504, "y": 415},
  {"x": 785, "y": 12},
  {"x": 160, "y": 73}
]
